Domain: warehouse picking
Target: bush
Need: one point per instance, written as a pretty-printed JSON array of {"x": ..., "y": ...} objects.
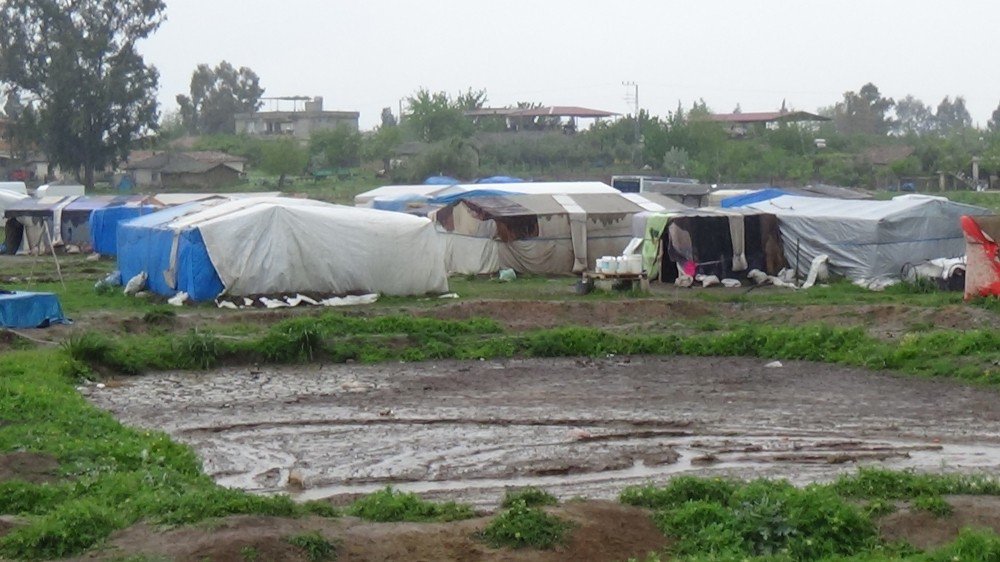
[
  {"x": 389, "y": 505},
  {"x": 679, "y": 491},
  {"x": 522, "y": 526},
  {"x": 316, "y": 547},
  {"x": 530, "y": 496}
]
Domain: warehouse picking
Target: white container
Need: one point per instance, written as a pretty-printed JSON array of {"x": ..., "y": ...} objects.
[
  {"x": 612, "y": 266},
  {"x": 634, "y": 263}
]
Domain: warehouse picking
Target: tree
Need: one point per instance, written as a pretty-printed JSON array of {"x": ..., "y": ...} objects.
[
  {"x": 994, "y": 123},
  {"x": 382, "y": 144},
  {"x": 864, "y": 112},
  {"x": 217, "y": 95},
  {"x": 913, "y": 117},
  {"x": 339, "y": 147},
  {"x": 79, "y": 58},
  {"x": 952, "y": 116},
  {"x": 434, "y": 117},
  {"x": 388, "y": 119},
  {"x": 283, "y": 157}
]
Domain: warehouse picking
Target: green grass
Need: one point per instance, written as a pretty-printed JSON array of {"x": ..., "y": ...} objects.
[
  {"x": 110, "y": 476},
  {"x": 389, "y": 505},
  {"x": 529, "y": 496},
  {"x": 719, "y": 519},
  {"x": 521, "y": 526},
  {"x": 315, "y": 546}
]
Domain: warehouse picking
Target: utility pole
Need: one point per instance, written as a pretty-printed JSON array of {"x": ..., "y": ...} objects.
[{"x": 633, "y": 96}]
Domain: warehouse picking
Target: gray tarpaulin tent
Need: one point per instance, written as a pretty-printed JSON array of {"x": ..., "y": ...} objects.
[
  {"x": 547, "y": 234},
  {"x": 869, "y": 240}
]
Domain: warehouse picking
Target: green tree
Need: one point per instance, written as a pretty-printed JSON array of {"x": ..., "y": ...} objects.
[
  {"x": 381, "y": 145},
  {"x": 952, "y": 116},
  {"x": 434, "y": 117},
  {"x": 283, "y": 157},
  {"x": 864, "y": 112},
  {"x": 79, "y": 58},
  {"x": 913, "y": 117},
  {"x": 217, "y": 95},
  {"x": 340, "y": 147}
]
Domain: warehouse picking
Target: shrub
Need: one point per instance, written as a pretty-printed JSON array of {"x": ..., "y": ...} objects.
[
  {"x": 678, "y": 491},
  {"x": 69, "y": 529},
  {"x": 522, "y": 526},
  {"x": 530, "y": 496},
  {"x": 316, "y": 548},
  {"x": 391, "y": 505}
]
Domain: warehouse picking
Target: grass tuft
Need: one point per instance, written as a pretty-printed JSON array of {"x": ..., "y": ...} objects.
[
  {"x": 529, "y": 496},
  {"x": 389, "y": 505},
  {"x": 522, "y": 526},
  {"x": 315, "y": 547}
]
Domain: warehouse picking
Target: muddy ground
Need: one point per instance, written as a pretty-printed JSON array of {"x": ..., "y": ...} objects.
[{"x": 578, "y": 427}]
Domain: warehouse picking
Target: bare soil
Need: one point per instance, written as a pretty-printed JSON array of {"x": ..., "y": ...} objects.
[
  {"x": 601, "y": 531},
  {"x": 37, "y": 468}
]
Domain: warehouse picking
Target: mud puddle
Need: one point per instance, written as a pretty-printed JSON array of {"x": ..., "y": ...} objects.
[{"x": 467, "y": 430}]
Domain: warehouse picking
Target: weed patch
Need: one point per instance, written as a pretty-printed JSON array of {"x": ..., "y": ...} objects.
[
  {"x": 530, "y": 496},
  {"x": 521, "y": 526},
  {"x": 388, "y": 505},
  {"x": 316, "y": 548}
]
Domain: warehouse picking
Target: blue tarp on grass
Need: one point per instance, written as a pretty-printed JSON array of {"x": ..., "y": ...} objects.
[{"x": 21, "y": 309}]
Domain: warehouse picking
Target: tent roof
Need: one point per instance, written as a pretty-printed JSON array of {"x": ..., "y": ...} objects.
[
  {"x": 593, "y": 203},
  {"x": 527, "y": 188},
  {"x": 793, "y": 205}
]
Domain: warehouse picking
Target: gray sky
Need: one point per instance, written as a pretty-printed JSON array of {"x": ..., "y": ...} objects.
[{"x": 363, "y": 55}]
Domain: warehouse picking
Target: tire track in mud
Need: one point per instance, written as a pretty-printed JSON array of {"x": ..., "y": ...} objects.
[{"x": 467, "y": 430}]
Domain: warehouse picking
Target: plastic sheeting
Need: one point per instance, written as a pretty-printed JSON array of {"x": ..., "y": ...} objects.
[
  {"x": 273, "y": 245},
  {"x": 752, "y": 197},
  {"x": 982, "y": 274},
  {"x": 104, "y": 226},
  {"x": 868, "y": 240},
  {"x": 20, "y": 309}
]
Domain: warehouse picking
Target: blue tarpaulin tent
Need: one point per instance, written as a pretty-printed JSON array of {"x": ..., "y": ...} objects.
[
  {"x": 751, "y": 198},
  {"x": 499, "y": 179},
  {"x": 104, "y": 226},
  {"x": 146, "y": 243},
  {"x": 459, "y": 196},
  {"x": 20, "y": 309},
  {"x": 441, "y": 180}
]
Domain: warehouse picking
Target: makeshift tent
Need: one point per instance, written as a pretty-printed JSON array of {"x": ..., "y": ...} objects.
[
  {"x": 867, "y": 240},
  {"x": 499, "y": 179},
  {"x": 982, "y": 273},
  {"x": 104, "y": 225},
  {"x": 454, "y": 192},
  {"x": 57, "y": 221},
  {"x": 752, "y": 197},
  {"x": 271, "y": 245},
  {"x": 20, "y": 309},
  {"x": 440, "y": 180},
  {"x": 546, "y": 234},
  {"x": 720, "y": 242}
]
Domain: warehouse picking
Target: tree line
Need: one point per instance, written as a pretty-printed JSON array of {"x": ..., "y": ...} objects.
[{"x": 77, "y": 89}]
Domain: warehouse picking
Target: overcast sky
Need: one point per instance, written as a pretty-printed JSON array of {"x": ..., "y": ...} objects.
[{"x": 363, "y": 55}]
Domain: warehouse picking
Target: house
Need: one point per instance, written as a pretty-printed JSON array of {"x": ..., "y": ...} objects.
[
  {"x": 296, "y": 123},
  {"x": 740, "y": 124},
  {"x": 198, "y": 169}
]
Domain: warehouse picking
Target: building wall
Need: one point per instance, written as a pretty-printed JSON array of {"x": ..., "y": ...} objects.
[{"x": 298, "y": 124}]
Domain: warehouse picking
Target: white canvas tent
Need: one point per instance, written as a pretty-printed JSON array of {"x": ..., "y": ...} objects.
[
  {"x": 270, "y": 245},
  {"x": 868, "y": 240},
  {"x": 545, "y": 234}
]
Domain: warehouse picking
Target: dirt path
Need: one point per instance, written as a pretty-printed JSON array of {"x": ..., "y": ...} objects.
[{"x": 467, "y": 430}]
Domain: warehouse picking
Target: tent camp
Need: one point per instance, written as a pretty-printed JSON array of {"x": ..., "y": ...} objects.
[
  {"x": 720, "y": 242},
  {"x": 270, "y": 245},
  {"x": 868, "y": 240},
  {"x": 546, "y": 234}
]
